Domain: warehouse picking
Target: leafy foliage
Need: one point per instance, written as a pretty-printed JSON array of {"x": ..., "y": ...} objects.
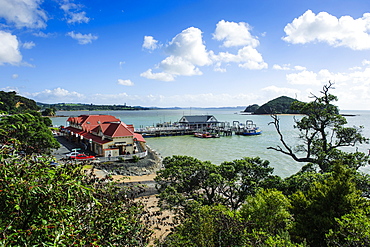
[
  {"x": 62, "y": 206},
  {"x": 29, "y": 132},
  {"x": 208, "y": 226},
  {"x": 316, "y": 210},
  {"x": 268, "y": 210},
  {"x": 49, "y": 112},
  {"x": 186, "y": 180}
]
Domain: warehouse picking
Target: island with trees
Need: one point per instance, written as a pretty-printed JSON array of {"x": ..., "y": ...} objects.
[{"x": 280, "y": 105}]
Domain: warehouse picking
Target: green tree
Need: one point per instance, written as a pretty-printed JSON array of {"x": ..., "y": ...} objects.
[
  {"x": 268, "y": 211},
  {"x": 63, "y": 205},
  {"x": 29, "y": 132},
  {"x": 48, "y": 112},
  {"x": 208, "y": 226},
  {"x": 323, "y": 133},
  {"x": 186, "y": 179},
  {"x": 352, "y": 230},
  {"x": 316, "y": 210}
]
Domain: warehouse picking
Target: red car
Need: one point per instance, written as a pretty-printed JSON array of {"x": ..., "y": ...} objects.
[{"x": 82, "y": 157}]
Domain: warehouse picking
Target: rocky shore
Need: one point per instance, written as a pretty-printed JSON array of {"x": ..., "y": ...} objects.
[{"x": 145, "y": 166}]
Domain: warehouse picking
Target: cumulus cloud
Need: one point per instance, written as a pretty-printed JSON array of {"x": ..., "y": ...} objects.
[
  {"x": 189, "y": 46},
  {"x": 187, "y": 52},
  {"x": 160, "y": 76},
  {"x": 73, "y": 13},
  {"x": 150, "y": 43},
  {"x": 23, "y": 13},
  {"x": 247, "y": 58},
  {"x": 176, "y": 65},
  {"x": 82, "y": 39},
  {"x": 56, "y": 95},
  {"x": 323, "y": 27},
  {"x": 125, "y": 82},
  {"x": 303, "y": 78},
  {"x": 9, "y": 49},
  {"x": 234, "y": 34}
]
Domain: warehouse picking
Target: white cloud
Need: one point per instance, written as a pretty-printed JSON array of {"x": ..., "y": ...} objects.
[
  {"x": 73, "y": 13},
  {"x": 150, "y": 43},
  {"x": 9, "y": 49},
  {"x": 176, "y": 65},
  {"x": 323, "y": 27},
  {"x": 303, "y": 78},
  {"x": 82, "y": 39},
  {"x": 281, "y": 90},
  {"x": 28, "y": 45},
  {"x": 23, "y": 13},
  {"x": 247, "y": 58},
  {"x": 56, "y": 95},
  {"x": 15, "y": 76},
  {"x": 125, "y": 82},
  {"x": 234, "y": 34},
  {"x": 161, "y": 76},
  {"x": 187, "y": 52},
  {"x": 189, "y": 46},
  {"x": 287, "y": 67}
]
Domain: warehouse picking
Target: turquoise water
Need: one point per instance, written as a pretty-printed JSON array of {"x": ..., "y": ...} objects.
[{"x": 225, "y": 148}]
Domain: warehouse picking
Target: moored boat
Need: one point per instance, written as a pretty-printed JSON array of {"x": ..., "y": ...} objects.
[
  {"x": 205, "y": 135},
  {"x": 249, "y": 129}
]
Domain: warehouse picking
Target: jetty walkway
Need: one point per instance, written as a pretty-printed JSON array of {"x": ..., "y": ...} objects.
[{"x": 176, "y": 131}]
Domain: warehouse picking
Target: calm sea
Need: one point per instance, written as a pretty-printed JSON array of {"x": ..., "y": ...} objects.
[{"x": 225, "y": 148}]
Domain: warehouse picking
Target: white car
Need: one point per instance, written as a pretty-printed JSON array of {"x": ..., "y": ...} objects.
[{"x": 74, "y": 153}]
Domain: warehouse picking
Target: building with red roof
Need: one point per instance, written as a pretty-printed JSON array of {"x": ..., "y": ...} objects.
[{"x": 105, "y": 135}]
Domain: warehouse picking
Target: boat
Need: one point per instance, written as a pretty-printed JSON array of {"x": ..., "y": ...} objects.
[
  {"x": 249, "y": 129},
  {"x": 206, "y": 135}
]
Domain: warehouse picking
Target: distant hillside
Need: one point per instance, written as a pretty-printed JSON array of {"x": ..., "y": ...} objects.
[
  {"x": 11, "y": 103},
  {"x": 280, "y": 105},
  {"x": 251, "y": 108},
  {"x": 88, "y": 107}
]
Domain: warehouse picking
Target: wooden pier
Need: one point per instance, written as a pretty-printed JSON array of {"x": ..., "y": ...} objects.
[{"x": 164, "y": 131}]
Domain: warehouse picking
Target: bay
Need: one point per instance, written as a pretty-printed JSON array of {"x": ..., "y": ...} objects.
[{"x": 226, "y": 148}]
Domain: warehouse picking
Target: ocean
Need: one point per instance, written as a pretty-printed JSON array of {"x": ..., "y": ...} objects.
[{"x": 226, "y": 148}]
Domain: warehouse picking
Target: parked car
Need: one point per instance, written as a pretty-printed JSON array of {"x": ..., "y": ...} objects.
[
  {"x": 74, "y": 153},
  {"x": 82, "y": 157}
]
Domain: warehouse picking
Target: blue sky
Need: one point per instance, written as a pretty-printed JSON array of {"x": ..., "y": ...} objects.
[{"x": 185, "y": 53}]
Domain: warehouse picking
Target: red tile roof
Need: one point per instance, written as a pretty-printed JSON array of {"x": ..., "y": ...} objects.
[
  {"x": 109, "y": 125},
  {"x": 87, "y": 135},
  {"x": 117, "y": 130}
]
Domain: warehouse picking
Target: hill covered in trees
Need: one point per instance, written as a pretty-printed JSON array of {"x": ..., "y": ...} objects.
[
  {"x": 11, "y": 103},
  {"x": 280, "y": 105}
]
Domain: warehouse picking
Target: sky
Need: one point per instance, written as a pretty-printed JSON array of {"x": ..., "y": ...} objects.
[{"x": 185, "y": 53}]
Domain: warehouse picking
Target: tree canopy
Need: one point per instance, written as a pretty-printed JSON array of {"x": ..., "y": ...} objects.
[
  {"x": 29, "y": 132},
  {"x": 186, "y": 180},
  {"x": 63, "y": 205}
]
